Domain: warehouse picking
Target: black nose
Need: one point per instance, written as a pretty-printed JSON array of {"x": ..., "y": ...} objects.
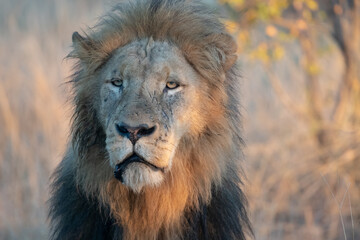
[{"x": 134, "y": 133}]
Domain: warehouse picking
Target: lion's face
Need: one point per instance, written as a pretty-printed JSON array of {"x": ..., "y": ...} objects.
[{"x": 149, "y": 99}]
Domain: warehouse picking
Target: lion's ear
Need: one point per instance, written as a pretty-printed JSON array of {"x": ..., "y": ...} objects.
[
  {"x": 87, "y": 50},
  {"x": 230, "y": 50},
  {"x": 224, "y": 50},
  {"x": 80, "y": 43},
  {"x": 215, "y": 55}
]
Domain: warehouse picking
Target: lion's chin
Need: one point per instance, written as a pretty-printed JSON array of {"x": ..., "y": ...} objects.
[{"x": 138, "y": 175}]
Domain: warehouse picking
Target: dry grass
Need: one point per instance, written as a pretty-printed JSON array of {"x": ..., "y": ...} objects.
[
  {"x": 35, "y": 37},
  {"x": 296, "y": 191}
]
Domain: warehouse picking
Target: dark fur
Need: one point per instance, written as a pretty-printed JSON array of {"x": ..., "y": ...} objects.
[{"x": 75, "y": 215}]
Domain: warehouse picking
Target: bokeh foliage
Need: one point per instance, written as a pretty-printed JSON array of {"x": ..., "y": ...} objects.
[{"x": 306, "y": 22}]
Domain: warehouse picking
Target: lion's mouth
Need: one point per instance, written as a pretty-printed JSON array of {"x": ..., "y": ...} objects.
[{"x": 120, "y": 168}]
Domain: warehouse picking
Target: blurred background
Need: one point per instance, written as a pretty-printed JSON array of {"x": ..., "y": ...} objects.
[{"x": 300, "y": 63}]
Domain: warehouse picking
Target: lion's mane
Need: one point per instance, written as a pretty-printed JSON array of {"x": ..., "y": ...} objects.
[{"x": 202, "y": 197}]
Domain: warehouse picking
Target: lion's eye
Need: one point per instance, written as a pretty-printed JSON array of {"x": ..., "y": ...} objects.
[
  {"x": 117, "y": 82},
  {"x": 171, "y": 85}
]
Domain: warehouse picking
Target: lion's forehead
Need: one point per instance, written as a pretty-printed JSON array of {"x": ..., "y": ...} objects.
[{"x": 141, "y": 59}]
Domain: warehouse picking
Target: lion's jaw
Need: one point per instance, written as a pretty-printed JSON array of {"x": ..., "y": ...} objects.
[{"x": 143, "y": 99}]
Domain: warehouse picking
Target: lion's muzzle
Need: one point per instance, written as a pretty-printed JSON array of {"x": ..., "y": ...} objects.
[{"x": 121, "y": 167}]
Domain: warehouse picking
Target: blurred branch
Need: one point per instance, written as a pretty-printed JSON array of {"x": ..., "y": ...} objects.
[{"x": 346, "y": 32}]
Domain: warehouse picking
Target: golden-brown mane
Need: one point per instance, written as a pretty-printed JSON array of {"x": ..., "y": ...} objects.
[
  {"x": 193, "y": 28},
  {"x": 207, "y": 166}
]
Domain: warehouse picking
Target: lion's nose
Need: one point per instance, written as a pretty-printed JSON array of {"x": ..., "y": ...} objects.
[{"x": 134, "y": 133}]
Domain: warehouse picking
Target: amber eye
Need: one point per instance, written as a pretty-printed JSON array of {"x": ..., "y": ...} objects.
[
  {"x": 117, "y": 82},
  {"x": 171, "y": 85}
]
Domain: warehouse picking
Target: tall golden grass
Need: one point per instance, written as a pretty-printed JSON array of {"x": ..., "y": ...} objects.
[{"x": 293, "y": 194}]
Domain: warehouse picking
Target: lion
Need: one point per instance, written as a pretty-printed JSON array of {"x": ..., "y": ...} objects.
[{"x": 156, "y": 142}]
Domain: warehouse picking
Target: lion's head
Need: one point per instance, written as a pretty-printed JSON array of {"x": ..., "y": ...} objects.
[
  {"x": 149, "y": 99},
  {"x": 156, "y": 101}
]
